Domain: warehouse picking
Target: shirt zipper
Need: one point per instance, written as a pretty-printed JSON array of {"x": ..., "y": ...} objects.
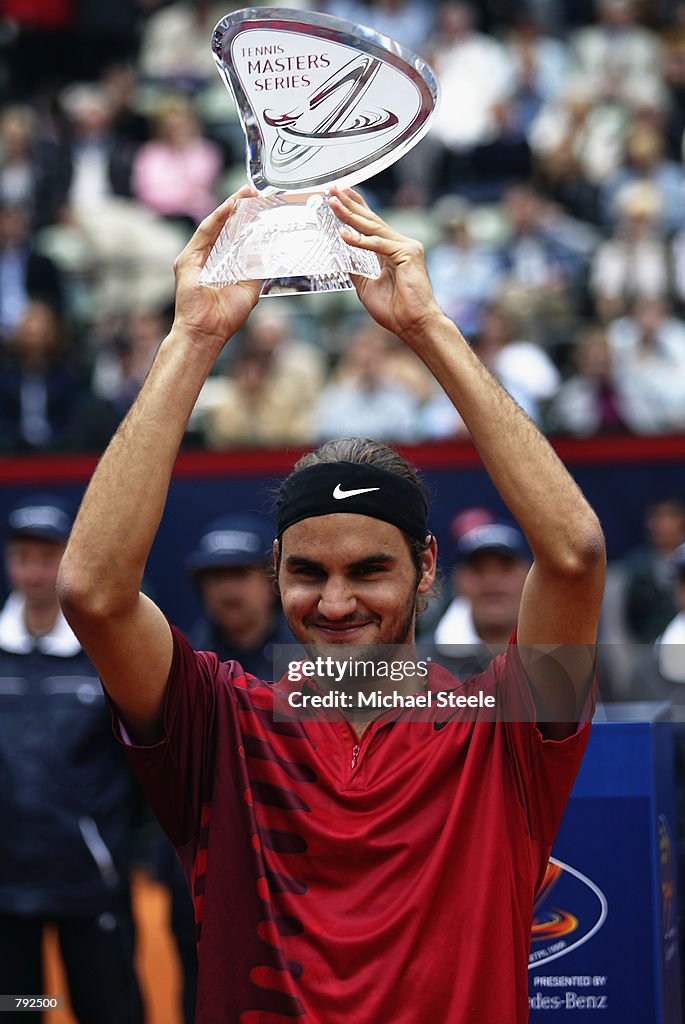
[{"x": 355, "y": 755}]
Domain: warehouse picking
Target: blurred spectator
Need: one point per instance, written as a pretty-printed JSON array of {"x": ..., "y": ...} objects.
[
  {"x": 617, "y": 55},
  {"x": 648, "y": 354},
  {"x": 121, "y": 353},
  {"x": 465, "y": 274},
  {"x": 175, "y": 46},
  {"x": 67, "y": 799},
  {"x": 273, "y": 332},
  {"x": 230, "y": 569},
  {"x": 647, "y": 594},
  {"x": 634, "y": 262},
  {"x": 474, "y": 72},
  {"x": 39, "y": 391},
  {"x": 538, "y": 68},
  {"x": 98, "y": 158},
  {"x": 123, "y": 89},
  {"x": 250, "y": 406},
  {"x": 25, "y": 275},
  {"x": 464, "y": 521},
  {"x": 30, "y": 171},
  {"x": 559, "y": 178},
  {"x": 645, "y": 162},
  {"x": 267, "y": 395},
  {"x": 475, "y": 75},
  {"x": 540, "y": 61},
  {"x": 361, "y": 397},
  {"x": 543, "y": 261},
  {"x": 124, "y": 359},
  {"x": 175, "y": 175},
  {"x": 493, "y": 560},
  {"x": 589, "y": 402}
]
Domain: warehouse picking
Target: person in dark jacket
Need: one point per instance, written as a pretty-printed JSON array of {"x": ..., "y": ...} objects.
[
  {"x": 67, "y": 800},
  {"x": 25, "y": 275},
  {"x": 40, "y": 390},
  {"x": 241, "y": 616},
  {"x": 648, "y": 600}
]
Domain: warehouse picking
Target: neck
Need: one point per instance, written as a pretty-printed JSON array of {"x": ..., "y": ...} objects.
[
  {"x": 40, "y": 619},
  {"x": 252, "y": 633},
  {"x": 494, "y": 636}
]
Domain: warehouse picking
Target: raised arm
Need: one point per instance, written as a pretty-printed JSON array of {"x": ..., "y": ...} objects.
[
  {"x": 125, "y": 634},
  {"x": 563, "y": 592}
]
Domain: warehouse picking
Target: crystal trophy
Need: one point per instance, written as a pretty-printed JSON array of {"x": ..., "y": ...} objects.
[{"x": 321, "y": 101}]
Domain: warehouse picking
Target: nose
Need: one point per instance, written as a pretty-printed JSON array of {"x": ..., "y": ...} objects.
[{"x": 337, "y": 600}]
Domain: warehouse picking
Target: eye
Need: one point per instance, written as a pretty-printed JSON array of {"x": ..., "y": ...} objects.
[
  {"x": 306, "y": 572},
  {"x": 370, "y": 570}
]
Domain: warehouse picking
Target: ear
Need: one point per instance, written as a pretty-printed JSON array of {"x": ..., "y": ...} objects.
[
  {"x": 429, "y": 565},
  {"x": 276, "y": 551}
]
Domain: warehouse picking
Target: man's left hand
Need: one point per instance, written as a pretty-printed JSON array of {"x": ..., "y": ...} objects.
[{"x": 401, "y": 299}]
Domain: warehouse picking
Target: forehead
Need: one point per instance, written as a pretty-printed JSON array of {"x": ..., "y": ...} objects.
[
  {"x": 229, "y": 572},
  {"x": 24, "y": 545},
  {"x": 342, "y": 537},
  {"x": 488, "y": 560}
]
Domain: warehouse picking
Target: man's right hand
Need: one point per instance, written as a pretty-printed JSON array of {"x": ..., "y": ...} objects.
[{"x": 209, "y": 316}]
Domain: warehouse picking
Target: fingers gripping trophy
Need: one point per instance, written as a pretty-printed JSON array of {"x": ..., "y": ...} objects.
[{"x": 321, "y": 101}]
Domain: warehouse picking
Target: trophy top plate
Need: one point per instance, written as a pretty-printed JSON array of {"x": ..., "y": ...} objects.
[{"x": 321, "y": 100}]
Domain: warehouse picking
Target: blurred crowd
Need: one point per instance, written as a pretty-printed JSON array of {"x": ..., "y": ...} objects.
[{"x": 549, "y": 194}]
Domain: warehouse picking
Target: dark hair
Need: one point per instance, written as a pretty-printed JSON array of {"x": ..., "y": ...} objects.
[{"x": 366, "y": 451}]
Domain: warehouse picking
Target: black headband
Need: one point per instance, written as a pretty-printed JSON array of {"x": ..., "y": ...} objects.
[{"x": 353, "y": 487}]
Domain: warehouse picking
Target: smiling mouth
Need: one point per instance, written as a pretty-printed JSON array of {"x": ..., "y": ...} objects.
[
  {"x": 341, "y": 626},
  {"x": 341, "y": 630}
]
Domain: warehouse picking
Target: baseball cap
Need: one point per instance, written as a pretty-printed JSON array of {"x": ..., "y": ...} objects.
[
  {"x": 498, "y": 537},
  {"x": 43, "y": 516},
  {"x": 238, "y": 539}
]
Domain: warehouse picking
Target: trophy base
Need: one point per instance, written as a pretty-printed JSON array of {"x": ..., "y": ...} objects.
[{"x": 291, "y": 242}]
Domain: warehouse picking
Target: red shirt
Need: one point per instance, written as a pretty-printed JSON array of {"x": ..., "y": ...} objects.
[{"x": 389, "y": 885}]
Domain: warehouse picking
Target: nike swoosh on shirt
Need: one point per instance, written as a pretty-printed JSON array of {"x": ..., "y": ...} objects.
[
  {"x": 339, "y": 493},
  {"x": 441, "y": 725}
]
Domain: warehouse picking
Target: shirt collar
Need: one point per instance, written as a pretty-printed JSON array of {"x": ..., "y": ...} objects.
[
  {"x": 456, "y": 628},
  {"x": 15, "y": 638}
]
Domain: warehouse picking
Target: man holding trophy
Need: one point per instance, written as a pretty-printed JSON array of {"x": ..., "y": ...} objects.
[{"x": 371, "y": 867}]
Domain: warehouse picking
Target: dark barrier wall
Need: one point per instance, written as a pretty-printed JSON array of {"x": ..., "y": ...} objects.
[{"x": 620, "y": 476}]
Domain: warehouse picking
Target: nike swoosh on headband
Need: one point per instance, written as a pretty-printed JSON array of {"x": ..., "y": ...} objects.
[{"x": 339, "y": 493}]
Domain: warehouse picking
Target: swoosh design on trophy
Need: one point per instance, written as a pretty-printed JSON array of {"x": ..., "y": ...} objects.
[{"x": 295, "y": 145}]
